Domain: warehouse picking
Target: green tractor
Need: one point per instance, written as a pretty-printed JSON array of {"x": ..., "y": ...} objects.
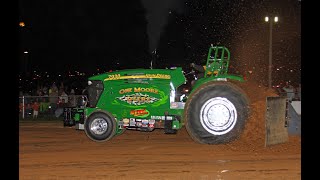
[{"x": 215, "y": 111}]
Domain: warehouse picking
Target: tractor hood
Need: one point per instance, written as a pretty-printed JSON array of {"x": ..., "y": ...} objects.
[{"x": 175, "y": 76}]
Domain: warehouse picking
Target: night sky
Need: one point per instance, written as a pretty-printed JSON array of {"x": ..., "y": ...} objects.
[{"x": 68, "y": 35}]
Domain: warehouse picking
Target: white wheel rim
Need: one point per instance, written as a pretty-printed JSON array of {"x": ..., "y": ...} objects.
[
  {"x": 99, "y": 126},
  {"x": 218, "y": 116}
]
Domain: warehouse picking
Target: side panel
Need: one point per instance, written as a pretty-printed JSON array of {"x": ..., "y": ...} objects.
[
  {"x": 140, "y": 99},
  {"x": 201, "y": 81},
  {"x": 136, "y": 100},
  {"x": 276, "y": 132}
]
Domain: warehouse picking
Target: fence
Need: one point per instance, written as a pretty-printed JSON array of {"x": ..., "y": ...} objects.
[{"x": 48, "y": 106}]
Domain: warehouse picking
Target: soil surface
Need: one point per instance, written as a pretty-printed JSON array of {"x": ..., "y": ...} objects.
[{"x": 47, "y": 150}]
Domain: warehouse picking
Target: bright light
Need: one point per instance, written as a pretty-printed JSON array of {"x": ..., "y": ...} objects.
[
  {"x": 276, "y": 19},
  {"x": 21, "y": 24},
  {"x": 26, "y": 52}
]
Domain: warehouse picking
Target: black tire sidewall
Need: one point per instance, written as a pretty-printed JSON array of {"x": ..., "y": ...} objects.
[
  {"x": 202, "y": 95},
  {"x": 111, "y": 126}
]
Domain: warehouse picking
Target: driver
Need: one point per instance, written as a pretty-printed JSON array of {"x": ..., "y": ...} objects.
[{"x": 200, "y": 69}]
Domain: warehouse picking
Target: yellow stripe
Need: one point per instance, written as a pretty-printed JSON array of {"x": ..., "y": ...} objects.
[{"x": 153, "y": 76}]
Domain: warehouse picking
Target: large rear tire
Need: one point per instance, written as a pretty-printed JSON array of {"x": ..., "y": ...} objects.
[
  {"x": 216, "y": 112},
  {"x": 100, "y": 126}
]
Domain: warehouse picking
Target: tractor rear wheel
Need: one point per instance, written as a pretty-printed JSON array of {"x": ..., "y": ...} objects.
[
  {"x": 215, "y": 113},
  {"x": 100, "y": 126}
]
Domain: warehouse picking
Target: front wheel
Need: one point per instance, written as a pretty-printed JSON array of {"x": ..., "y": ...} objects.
[
  {"x": 100, "y": 126},
  {"x": 216, "y": 112}
]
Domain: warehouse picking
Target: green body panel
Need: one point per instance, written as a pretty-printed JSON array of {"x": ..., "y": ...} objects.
[
  {"x": 77, "y": 117},
  {"x": 217, "y": 78},
  {"x": 77, "y": 114},
  {"x": 139, "y": 93},
  {"x": 176, "y": 125}
]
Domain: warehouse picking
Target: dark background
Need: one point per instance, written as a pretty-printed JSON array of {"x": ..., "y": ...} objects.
[{"x": 90, "y": 37}]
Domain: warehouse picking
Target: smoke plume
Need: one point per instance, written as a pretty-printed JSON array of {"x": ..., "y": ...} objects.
[{"x": 157, "y": 12}]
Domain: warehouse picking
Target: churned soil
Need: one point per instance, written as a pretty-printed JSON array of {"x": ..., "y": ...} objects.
[
  {"x": 253, "y": 137},
  {"x": 47, "y": 150}
]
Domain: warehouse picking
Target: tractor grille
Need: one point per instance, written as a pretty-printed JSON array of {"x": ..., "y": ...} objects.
[{"x": 94, "y": 92}]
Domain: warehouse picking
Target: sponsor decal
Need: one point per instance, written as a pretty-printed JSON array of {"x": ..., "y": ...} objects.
[
  {"x": 138, "y": 96},
  {"x": 144, "y": 123},
  {"x": 132, "y": 122},
  {"x": 153, "y": 76},
  {"x": 138, "y": 99},
  {"x": 161, "y": 117},
  {"x": 158, "y": 76},
  {"x": 125, "y": 122},
  {"x": 174, "y": 105},
  {"x": 138, "y": 124},
  {"x": 151, "y": 125},
  {"x": 152, "y": 121},
  {"x": 113, "y": 77},
  {"x": 177, "y": 105},
  {"x": 139, "y": 112}
]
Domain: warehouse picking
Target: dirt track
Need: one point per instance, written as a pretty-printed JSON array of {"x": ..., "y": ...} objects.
[{"x": 50, "y": 151}]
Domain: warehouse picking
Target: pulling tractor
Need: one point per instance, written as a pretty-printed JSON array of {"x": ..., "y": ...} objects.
[{"x": 215, "y": 111}]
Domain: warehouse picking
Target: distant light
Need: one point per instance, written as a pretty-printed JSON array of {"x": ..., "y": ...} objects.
[
  {"x": 266, "y": 18},
  {"x": 26, "y": 52},
  {"x": 276, "y": 19},
  {"x": 21, "y": 24}
]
